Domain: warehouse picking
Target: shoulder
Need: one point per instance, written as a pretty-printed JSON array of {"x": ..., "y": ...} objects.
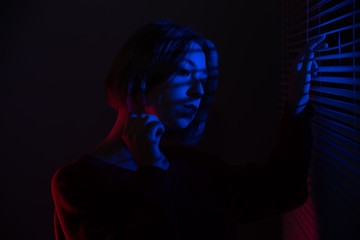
[
  {"x": 79, "y": 172},
  {"x": 80, "y": 187}
]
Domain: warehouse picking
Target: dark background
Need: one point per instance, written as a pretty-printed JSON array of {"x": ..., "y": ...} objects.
[{"x": 55, "y": 56}]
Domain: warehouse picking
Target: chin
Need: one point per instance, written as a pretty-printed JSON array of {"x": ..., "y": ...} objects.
[
  {"x": 182, "y": 123},
  {"x": 177, "y": 125}
]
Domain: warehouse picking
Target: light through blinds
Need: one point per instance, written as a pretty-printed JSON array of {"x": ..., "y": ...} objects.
[{"x": 333, "y": 209}]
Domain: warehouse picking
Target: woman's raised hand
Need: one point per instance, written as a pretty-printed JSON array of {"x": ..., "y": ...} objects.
[
  {"x": 305, "y": 66},
  {"x": 142, "y": 135}
]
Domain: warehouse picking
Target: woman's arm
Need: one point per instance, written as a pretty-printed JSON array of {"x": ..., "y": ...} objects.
[{"x": 253, "y": 192}]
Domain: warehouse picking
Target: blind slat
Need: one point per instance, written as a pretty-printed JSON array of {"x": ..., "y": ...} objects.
[
  {"x": 343, "y": 130},
  {"x": 302, "y": 41},
  {"x": 335, "y": 91},
  {"x": 336, "y": 103},
  {"x": 342, "y": 29},
  {"x": 339, "y": 69},
  {"x": 333, "y": 211},
  {"x": 345, "y": 143},
  {"x": 339, "y": 46},
  {"x": 343, "y": 80},
  {"x": 334, "y": 20},
  {"x": 340, "y": 187},
  {"x": 326, "y": 23},
  {"x": 305, "y": 232},
  {"x": 351, "y": 121},
  {"x": 316, "y": 6},
  {"x": 340, "y": 5},
  {"x": 308, "y": 222},
  {"x": 346, "y": 158},
  {"x": 322, "y": 14},
  {"x": 340, "y": 172},
  {"x": 338, "y": 56},
  {"x": 344, "y": 202}
]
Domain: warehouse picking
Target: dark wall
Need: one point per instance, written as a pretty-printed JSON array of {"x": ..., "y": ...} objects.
[{"x": 55, "y": 56}]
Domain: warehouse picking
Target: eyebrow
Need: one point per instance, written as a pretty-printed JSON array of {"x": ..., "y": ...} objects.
[
  {"x": 190, "y": 62},
  {"x": 193, "y": 65}
]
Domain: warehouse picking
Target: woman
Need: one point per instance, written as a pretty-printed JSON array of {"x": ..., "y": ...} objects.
[{"x": 148, "y": 180}]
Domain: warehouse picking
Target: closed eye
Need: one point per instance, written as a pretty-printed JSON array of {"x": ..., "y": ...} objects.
[{"x": 184, "y": 72}]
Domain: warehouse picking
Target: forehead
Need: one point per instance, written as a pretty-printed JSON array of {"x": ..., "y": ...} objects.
[{"x": 195, "y": 56}]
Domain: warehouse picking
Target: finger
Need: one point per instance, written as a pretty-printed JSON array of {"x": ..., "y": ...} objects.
[
  {"x": 129, "y": 123},
  {"x": 315, "y": 41},
  {"x": 321, "y": 46},
  {"x": 306, "y": 54},
  {"x": 309, "y": 57},
  {"x": 298, "y": 61},
  {"x": 142, "y": 123},
  {"x": 307, "y": 61},
  {"x": 160, "y": 131},
  {"x": 138, "y": 112},
  {"x": 131, "y": 118},
  {"x": 155, "y": 128},
  {"x": 137, "y": 125},
  {"x": 314, "y": 69}
]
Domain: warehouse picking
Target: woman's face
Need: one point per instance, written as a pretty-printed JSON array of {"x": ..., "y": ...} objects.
[{"x": 176, "y": 103}]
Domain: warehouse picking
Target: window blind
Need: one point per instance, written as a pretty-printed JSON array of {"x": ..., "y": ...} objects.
[{"x": 333, "y": 208}]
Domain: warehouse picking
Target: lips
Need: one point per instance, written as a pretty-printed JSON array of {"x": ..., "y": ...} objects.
[{"x": 191, "y": 107}]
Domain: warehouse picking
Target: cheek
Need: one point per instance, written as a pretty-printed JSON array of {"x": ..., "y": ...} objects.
[
  {"x": 176, "y": 96},
  {"x": 160, "y": 106},
  {"x": 167, "y": 106},
  {"x": 169, "y": 113}
]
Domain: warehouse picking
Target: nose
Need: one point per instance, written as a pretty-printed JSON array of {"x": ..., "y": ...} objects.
[{"x": 196, "y": 90}]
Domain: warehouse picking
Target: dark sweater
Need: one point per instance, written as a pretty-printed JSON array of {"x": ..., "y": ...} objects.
[{"x": 200, "y": 196}]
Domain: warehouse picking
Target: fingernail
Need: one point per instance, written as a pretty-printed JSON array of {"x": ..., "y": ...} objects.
[{"x": 159, "y": 132}]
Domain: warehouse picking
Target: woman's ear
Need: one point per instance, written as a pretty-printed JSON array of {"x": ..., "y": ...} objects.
[
  {"x": 135, "y": 105},
  {"x": 130, "y": 104}
]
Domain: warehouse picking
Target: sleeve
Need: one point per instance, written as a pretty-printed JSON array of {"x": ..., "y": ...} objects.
[
  {"x": 253, "y": 192},
  {"x": 86, "y": 209}
]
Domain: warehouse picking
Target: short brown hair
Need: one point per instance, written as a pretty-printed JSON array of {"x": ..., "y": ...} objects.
[{"x": 151, "y": 56}]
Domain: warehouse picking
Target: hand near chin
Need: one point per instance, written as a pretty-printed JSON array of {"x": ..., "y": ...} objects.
[{"x": 142, "y": 135}]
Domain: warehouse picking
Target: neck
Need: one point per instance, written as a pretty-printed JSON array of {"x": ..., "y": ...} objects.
[{"x": 113, "y": 146}]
